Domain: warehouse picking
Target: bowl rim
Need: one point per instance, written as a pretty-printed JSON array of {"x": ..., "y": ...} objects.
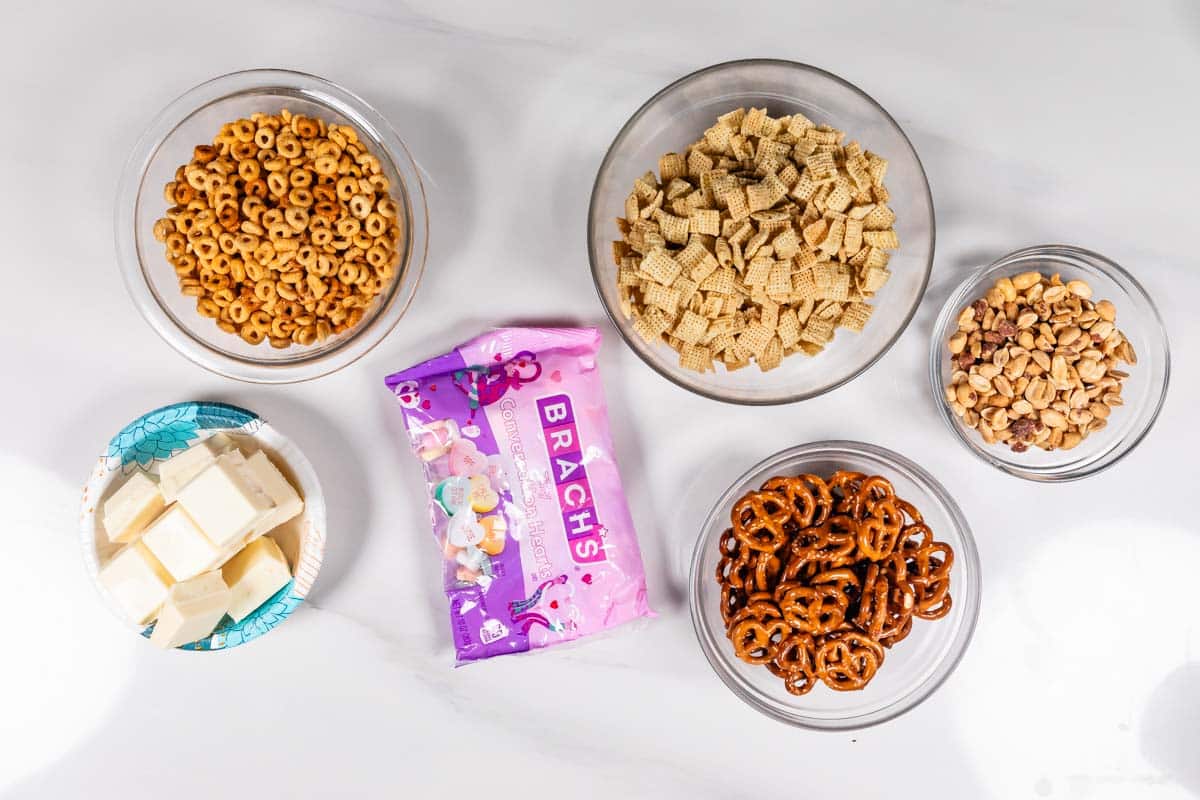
[
  {"x": 1054, "y": 251},
  {"x": 244, "y": 423},
  {"x": 133, "y": 270},
  {"x": 970, "y": 598},
  {"x": 594, "y": 201}
]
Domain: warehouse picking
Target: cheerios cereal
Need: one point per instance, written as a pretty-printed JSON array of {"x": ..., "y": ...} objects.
[{"x": 283, "y": 229}]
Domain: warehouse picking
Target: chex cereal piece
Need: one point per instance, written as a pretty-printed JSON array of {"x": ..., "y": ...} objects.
[
  {"x": 674, "y": 229},
  {"x": 696, "y": 358},
  {"x": 705, "y": 221},
  {"x": 886, "y": 240},
  {"x": 769, "y": 314},
  {"x": 881, "y": 218},
  {"x": 804, "y": 284},
  {"x": 661, "y": 268},
  {"x": 772, "y": 355},
  {"x": 662, "y": 297},
  {"x": 817, "y": 330},
  {"x": 690, "y": 328},
  {"x": 855, "y": 315},
  {"x": 758, "y": 272},
  {"x": 786, "y": 243},
  {"x": 788, "y": 329},
  {"x": 876, "y": 256},
  {"x": 779, "y": 281},
  {"x": 755, "y": 338},
  {"x": 873, "y": 279}
]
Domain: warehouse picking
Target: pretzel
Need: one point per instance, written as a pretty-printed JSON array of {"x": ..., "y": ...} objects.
[
  {"x": 812, "y": 609},
  {"x": 758, "y": 520},
  {"x": 795, "y": 662},
  {"x": 877, "y": 536},
  {"x": 819, "y": 577},
  {"x": 848, "y": 661},
  {"x": 799, "y": 498},
  {"x": 757, "y": 642},
  {"x": 767, "y": 567}
]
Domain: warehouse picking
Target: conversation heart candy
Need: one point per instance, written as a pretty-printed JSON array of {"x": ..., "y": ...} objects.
[
  {"x": 465, "y": 458},
  {"x": 471, "y": 558},
  {"x": 464, "y": 530},
  {"x": 435, "y": 439},
  {"x": 465, "y": 575},
  {"x": 483, "y": 497},
  {"x": 494, "y": 530},
  {"x": 453, "y": 494}
]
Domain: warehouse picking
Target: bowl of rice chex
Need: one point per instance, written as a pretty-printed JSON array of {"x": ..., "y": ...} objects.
[{"x": 761, "y": 232}]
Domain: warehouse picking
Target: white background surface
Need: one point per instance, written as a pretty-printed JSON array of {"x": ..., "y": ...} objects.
[{"x": 1035, "y": 121}]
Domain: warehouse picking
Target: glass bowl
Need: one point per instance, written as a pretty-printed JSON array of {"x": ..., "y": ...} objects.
[
  {"x": 1144, "y": 390},
  {"x": 914, "y": 668},
  {"x": 677, "y": 116},
  {"x": 193, "y": 119}
]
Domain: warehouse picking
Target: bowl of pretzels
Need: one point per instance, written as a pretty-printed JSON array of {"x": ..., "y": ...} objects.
[{"x": 835, "y": 585}]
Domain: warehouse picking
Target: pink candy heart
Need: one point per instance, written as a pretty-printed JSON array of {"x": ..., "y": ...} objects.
[{"x": 465, "y": 458}]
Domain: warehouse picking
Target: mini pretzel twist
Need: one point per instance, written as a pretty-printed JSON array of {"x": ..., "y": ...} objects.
[
  {"x": 819, "y": 577},
  {"x": 758, "y": 520},
  {"x": 848, "y": 661}
]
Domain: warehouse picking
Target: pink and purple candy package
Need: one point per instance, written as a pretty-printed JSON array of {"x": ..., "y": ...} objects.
[{"x": 524, "y": 494}]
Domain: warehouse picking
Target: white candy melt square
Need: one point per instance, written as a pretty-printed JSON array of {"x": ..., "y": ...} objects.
[
  {"x": 192, "y": 610},
  {"x": 178, "y": 470},
  {"x": 131, "y": 508},
  {"x": 226, "y": 500},
  {"x": 137, "y": 581},
  {"x": 253, "y": 575},
  {"x": 287, "y": 502},
  {"x": 176, "y": 541}
]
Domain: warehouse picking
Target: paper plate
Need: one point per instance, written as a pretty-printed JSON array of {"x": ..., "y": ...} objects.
[{"x": 153, "y": 438}]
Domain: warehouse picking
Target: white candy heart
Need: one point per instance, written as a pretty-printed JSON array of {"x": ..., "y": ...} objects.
[{"x": 464, "y": 529}]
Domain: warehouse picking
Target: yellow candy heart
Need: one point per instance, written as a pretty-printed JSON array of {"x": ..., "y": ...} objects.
[{"x": 483, "y": 497}]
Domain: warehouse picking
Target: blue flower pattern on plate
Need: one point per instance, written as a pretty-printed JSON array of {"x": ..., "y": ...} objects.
[{"x": 167, "y": 430}]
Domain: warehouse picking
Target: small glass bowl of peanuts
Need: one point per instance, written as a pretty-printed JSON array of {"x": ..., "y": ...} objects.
[
  {"x": 271, "y": 226},
  {"x": 1050, "y": 364}
]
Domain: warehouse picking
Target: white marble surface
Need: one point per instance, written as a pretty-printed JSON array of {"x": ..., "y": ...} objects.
[{"x": 1036, "y": 122}]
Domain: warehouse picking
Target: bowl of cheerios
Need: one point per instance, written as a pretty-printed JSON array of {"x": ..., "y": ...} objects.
[{"x": 271, "y": 226}]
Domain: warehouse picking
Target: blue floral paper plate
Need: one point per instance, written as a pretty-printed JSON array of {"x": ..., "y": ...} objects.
[{"x": 153, "y": 438}]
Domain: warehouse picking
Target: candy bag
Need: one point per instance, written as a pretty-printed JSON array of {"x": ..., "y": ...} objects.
[{"x": 524, "y": 495}]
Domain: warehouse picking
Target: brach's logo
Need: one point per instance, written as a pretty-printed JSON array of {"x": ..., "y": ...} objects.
[{"x": 584, "y": 538}]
